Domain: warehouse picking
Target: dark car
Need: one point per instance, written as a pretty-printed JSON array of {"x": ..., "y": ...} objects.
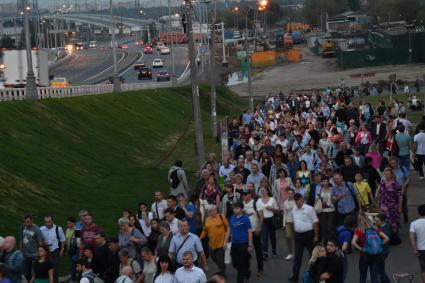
[
  {"x": 111, "y": 80},
  {"x": 162, "y": 76},
  {"x": 139, "y": 65},
  {"x": 144, "y": 73}
]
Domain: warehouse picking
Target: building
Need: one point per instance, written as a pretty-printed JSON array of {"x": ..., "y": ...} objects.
[{"x": 347, "y": 22}]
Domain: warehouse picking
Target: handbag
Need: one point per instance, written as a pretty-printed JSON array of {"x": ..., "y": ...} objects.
[
  {"x": 318, "y": 206},
  {"x": 278, "y": 220}
]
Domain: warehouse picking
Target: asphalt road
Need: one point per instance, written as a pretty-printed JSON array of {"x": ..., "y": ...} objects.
[
  {"x": 180, "y": 61},
  {"x": 400, "y": 260},
  {"x": 94, "y": 66}
]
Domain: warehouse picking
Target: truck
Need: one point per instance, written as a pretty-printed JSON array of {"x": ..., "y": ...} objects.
[
  {"x": 297, "y": 37},
  {"x": 176, "y": 37},
  {"x": 15, "y": 67},
  {"x": 328, "y": 48}
]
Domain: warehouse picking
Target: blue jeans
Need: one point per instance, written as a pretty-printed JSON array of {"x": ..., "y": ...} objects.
[
  {"x": 268, "y": 230},
  {"x": 404, "y": 161},
  {"x": 370, "y": 262}
]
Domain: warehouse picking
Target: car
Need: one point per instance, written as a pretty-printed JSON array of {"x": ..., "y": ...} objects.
[
  {"x": 165, "y": 50},
  {"x": 144, "y": 73},
  {"x": 123, "y": 46},
  {"x": 162, "y": 76},
  {"x": 159, "y": 45},
  {"x": 157, "y": 63},
  {"x": 59, "y": 83},
  {"x": 79, "y": 46},
  {"x": 138, "y": 43},
  {"x": 111, "y": 80},
  {"x": 138, "y": 65},
  {"x": 92, "y": 44},
  {"x": 149, "y": 44},
  {"x": 148, "y": 50}
]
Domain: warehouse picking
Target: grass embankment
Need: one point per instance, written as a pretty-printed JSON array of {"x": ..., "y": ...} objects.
[
  {"x": 102, "y": 153},
  {"x": 414, "y": 116}
]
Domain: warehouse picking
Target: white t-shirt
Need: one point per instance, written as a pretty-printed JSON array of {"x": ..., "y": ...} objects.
[
  {"x": 262, "y": 206},
  {"x": 418, "y": 227},
  {"x": 252, "y": 214},
  {"x": 304, "y": 218},
  {"x": 419, "y": 139}
]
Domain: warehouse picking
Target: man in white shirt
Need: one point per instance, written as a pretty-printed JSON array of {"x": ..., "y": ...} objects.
[
  {"x": 419, "y": 150},
  {"x": 159, "y": 206},
  {"x": 172, "y": 221},
  {"x": 126, "y": 275},
  {"x": 417, "y": 238},
  {"x": 311, "y": 158},
  {"x": 189, "y": 273},
  {"x": 54, "y": 238},
  {"x": 306, "y": 232},
  {"x": 225, "y": 169}
]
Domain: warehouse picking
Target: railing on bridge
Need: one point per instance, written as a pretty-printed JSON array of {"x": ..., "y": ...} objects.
[{"x": 11, "y": 94}]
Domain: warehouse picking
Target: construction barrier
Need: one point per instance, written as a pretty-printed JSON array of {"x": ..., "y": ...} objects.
[
  {"x": 263, "y": 59},
  {"x": 289, "y": 55}
]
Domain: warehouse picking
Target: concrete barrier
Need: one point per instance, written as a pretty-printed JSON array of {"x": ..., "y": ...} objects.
[{"x": 11, "y": 94}]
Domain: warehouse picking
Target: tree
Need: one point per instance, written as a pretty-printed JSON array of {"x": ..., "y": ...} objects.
[
  {"x": 315, "y": 11},
  {"x": 354, "y": 5}
]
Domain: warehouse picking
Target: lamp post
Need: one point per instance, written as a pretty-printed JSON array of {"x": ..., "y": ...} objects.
[
  {"x": 115, "y": 78},
  {"x": 31, "y": 84}
]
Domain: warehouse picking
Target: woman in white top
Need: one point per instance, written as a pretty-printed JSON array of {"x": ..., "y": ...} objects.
[
  {"x": 324, "y": 142},
  {"x": 268, "y": 205},
  {"x": 165, "y": 271},
  {"x": 288, "y": 222},
  {"x": 327, "y": 210},
  {"x": 149, "y": 265}
]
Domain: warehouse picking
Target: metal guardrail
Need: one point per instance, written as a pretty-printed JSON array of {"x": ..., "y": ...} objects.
[{"x": 12, "y": 94}]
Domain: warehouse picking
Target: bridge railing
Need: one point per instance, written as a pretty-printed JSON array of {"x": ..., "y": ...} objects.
[{"x": 12, "y": 94}]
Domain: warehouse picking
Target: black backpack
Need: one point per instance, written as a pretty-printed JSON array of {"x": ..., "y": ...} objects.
[{"x": 174, "y": 179}]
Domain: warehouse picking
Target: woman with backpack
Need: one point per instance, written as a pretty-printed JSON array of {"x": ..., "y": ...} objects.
[
  {"x": 389, "y": 196},
  {"x": 369, "y": 240}
]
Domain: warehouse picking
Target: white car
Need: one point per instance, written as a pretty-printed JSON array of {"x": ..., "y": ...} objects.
[
  {"x": 157, "y": 63},
  {"x": 160, "y": 45},
  {"x": 165, "y": 50}
]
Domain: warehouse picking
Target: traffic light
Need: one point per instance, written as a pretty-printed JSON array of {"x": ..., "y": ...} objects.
[{"x": 184, "y": 23}]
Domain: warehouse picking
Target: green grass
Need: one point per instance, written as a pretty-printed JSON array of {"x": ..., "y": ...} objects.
[
  {"x": 102, "y": 153},
  {"x": 413, "y": 116}
]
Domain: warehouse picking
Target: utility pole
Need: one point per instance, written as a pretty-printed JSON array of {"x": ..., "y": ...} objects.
[
  {"x": 31, "y": 84},
  {"x": 224, "y": 63},
  {"x": 170, "y": 35},
  {"x": 195, "y": 90},
  {"x": 115, "y": 79},
  {"x": 248, "y": 65},
  {"x": 212, "y": 79}
]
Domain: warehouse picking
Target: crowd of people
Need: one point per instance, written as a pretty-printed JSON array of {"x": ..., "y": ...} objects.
[{"x": 333, "y": 175}]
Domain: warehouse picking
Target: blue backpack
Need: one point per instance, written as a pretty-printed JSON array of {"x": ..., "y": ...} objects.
[
  {"x": 307, "y": 277},
  {"x": 373, "y": 242}
]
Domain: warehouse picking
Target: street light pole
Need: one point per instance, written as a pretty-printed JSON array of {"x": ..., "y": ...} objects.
[
  {"x": 195, "y": 90},
  {"x": 31, "y": 84},
  {"x": 170, "y": 35},
  {"x": 248, "y": 65},
  {"x": 115, "y": 79},
  {"x": 212, "y": 78}
]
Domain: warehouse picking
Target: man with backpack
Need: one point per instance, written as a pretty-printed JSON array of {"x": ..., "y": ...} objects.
[
  {"x": 54, "y": 238},
  {"x": 345, "y": 197},
  {"x": 87, "y": 275},
  {"x": 369, "y": 240},
  {"x": 178, "y": 180}
]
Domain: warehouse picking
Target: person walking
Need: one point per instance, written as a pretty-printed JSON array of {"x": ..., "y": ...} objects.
[
  {"x": 327, "y": 215},
  {"x": 419, "y": 150},
  {"x": 12, "y": 259},
  {"x": 268, "y": 205},
  {"x": 31, "y": 239},
  {"x": 256, "y": 219},
  {"x": 306, "y": 233},
  {"x": 417, "y": 239},
  {"x": 215, "y": 229},
  {"x": 164, "y": 270},
  {"x": 54, "y": 238},
  {"x": 288, "y": 222},
  {"x": 389, "y": 196},
  {"x": 189, "y": 273},
  {"x": 178, "y": 180},
  {"x": 43, "y": 270},
  {"x": 240, "y": 234},
  {"x": 186, "y": 241},
  {"x": 366, "y": 241}
]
